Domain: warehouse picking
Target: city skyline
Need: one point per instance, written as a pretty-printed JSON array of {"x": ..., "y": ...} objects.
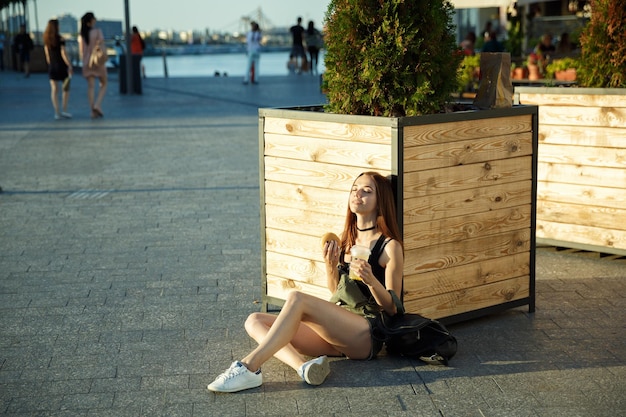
[{"x": 186, "y": 15}]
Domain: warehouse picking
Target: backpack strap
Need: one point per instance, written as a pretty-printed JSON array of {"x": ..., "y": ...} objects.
[{"x": 378, "y": 248}]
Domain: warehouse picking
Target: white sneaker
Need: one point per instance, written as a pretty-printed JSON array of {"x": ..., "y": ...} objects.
[
  {"x": 57, "y": 117},
  {"x": 66, "y": 115},
  {"x": 236, "y": 378},
  {"x": 315, "y": 371}
]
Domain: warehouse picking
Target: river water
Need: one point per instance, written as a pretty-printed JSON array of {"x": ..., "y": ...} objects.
[{"x": 233, "y": 64}]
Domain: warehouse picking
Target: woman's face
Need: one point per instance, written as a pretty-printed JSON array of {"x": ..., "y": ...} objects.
[{"x": 363, "y": 195}]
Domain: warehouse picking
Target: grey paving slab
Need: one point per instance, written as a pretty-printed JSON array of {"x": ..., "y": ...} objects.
[{"x": 130, "y": 257}]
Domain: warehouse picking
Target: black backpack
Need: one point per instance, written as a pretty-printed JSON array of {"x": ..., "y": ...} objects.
[{"x": 413, "y": 335}]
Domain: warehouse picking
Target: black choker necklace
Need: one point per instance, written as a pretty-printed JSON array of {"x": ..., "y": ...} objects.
[{"x": 366, "y": 229}]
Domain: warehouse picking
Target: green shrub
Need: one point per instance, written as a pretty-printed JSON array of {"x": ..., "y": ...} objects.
[
  {"x": 468, "y": 80},
  {"x": 390, "y": 57},
  {"x": 603, "y": 46}
]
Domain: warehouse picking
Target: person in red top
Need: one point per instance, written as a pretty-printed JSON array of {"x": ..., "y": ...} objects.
[{"x": 137, "y": 45}]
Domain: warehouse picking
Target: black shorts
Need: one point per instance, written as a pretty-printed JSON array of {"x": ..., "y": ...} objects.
[
  {"x": 57, "y": 72},
  {"x": 298, "y": 50},
  {"x": 377, "y": 344}
]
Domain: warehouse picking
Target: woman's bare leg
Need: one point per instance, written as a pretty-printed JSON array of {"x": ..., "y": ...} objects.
[
  {"x": 103, "y": 88},
  {"x": 91, "y": 85},
  {"x": 259, "y": 324},
  {"x": 343, "y": 331},
  {"x": 65, "y": 97},
  {"x": 54, "y": 96}
]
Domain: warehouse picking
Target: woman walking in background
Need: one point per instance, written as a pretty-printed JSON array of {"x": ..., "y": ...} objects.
[
  {"x": 90, "y": 37},
  {"x": 59, "y": 68},
  {"x": 253, "y": 40},
  {"x": 314, "y": 42}
]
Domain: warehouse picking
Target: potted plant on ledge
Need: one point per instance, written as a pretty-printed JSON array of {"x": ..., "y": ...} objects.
[
  {"x": 464, "y": 177},
  {"x": 562, "y": 69}
]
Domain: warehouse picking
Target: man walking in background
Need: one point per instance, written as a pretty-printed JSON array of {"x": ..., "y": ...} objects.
[
  {"x": 297, "y": 48},
  {"x": 23, "y": 45}
]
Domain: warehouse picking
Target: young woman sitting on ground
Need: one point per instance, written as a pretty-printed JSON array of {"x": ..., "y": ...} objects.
[{"x": 308, "y": 326}]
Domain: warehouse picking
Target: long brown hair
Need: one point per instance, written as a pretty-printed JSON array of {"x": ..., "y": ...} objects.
[
  {"x": 51, "y": 34},
  {"x": 386, "y": 220},
  {"x": 84, "y": 26}
]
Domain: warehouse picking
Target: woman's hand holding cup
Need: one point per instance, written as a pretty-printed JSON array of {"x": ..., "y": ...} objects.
[{"x": 358, "y": 262}]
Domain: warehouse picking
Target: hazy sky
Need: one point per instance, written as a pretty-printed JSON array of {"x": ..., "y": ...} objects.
[{"x": 181, "y": 15}]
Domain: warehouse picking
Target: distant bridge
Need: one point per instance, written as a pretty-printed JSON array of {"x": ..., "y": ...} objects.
[{"x": 258, "y": 16}]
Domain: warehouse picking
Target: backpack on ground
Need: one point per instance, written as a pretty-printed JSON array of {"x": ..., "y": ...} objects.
[
  {"x": 416, "y": 336},
  {"x": 412, "y": 335}
]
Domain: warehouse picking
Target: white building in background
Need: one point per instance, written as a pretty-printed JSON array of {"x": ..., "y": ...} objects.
[
  {"x": 68, "y": 25},
  {"x": 112, "y": 29}
]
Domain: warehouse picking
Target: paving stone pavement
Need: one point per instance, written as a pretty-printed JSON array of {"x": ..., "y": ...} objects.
[{"x": 130, "y": 257}]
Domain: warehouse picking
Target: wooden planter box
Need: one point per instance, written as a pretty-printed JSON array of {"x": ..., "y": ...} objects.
[
  {"x": 465, "y": 196},
  {"x": 581, "y": 189}
]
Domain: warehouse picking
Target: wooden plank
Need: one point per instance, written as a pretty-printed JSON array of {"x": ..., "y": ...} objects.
[
  {"x": 280, "y": 288},
  {"x": 585, "y": 215},
  {"x": 315, "y": 199},
  {"x": 465, "y": 177},
  {"x": 455, "y": 229},
  {"x": 297, "y": 269},
  {"x": 293, "y": 244},
  {"x": 472, "y": 275},
  {"x": 462, "y": 301},
  {"x": 458, "y": 203},
  {"x": 366, "y": 155},
  {"x": 574, "y": 100},
  {"x": 605, "y": 137},
  {"x": 601, "y": 251},
  {"x": 450, "y": 255},
  {"x": 302, "y": 221},
  {"x": 582, "y": 116},
  {"x": 586, "y": 235},
  {"x": 464, "y": 130},
  {"x": 328, "y": 130},
  {"x": 581, "y": 194},
  {"x": 583, "y": 155},
  {"x": 420, "y": 158},
  {"x": 314, "y": 174},
  {"x": 583, "y": 175}
]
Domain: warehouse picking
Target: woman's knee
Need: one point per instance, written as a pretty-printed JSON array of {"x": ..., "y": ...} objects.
[
  {"x": 297, "y": 297},
  {"x": 304, "y": 304},
  {"x": 251, "y": 321},
  {"x": 256, "y": 321},
  {"x": 258, "y": 318}
]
